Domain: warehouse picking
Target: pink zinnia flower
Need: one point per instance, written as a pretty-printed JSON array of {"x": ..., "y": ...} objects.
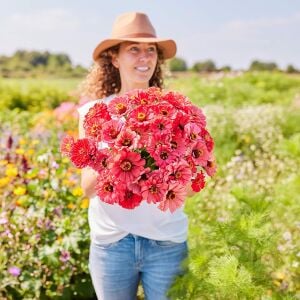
[
  {"x": 153, "y": 188},
  {"x": 163, "y": 155},
  {"x": 118, "y": 106},
  {"x": 161, "y": 125},
  {"x": 106, "y": 188},
  {"x": 99, "y": 162},
  {"x": 66, "y": 145},
  {"x": 111, "y": 130},
  {"x": 211, "y": 166},
  {"x": 196, "y": 115},
  {"x": 200, "y": 153},
  {"x": 82, "y": 152},
  {"x": 166, "y": 110},
  {"x": 127, "y": 139},
  {"x": 174, "y": 198},
  {"x": 208, "y": 139},
  {"x": 179, "y": 172},
  {"x": 179, "y": 123},
  {"x": 192, "y": 132},
  {"x": 178, "y": 144},
  {"x": 128, "y": 166}
]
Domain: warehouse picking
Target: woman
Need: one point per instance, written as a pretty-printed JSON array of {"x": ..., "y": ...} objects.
[{"x": 143, "y": 244}]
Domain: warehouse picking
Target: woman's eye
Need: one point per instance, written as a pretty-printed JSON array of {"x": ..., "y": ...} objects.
[
  {"x": 152, "y": 49},
  {"x": 134, "y": 49}
]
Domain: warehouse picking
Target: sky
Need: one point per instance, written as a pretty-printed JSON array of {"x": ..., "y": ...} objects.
[{"x": 230, "y": 32}]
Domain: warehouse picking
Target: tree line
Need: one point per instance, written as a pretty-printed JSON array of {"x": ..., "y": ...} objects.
[
  {"x": 38, "y": 64},
  {"x": 44, "y": 64},
  {"x": 178, "y": 64}
]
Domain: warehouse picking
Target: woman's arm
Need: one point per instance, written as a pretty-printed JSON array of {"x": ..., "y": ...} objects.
[{"x": 88, "y": 175}]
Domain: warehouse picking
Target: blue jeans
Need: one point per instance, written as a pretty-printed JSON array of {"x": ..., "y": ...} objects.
[{"x": 117, "y": 268}]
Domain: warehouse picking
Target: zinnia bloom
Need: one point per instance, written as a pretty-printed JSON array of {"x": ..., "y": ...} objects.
[
  {"x": 198, "y": 183},
  {"x": 163, "y": 155},
  {"x": 106, "y": 188},
  {"x": 127, "y": 139},
  {"x": 66, "y": 145},
  {"x": 118, "y": 106},
  {"x": 130, "y": 199},
  {"x": 82, "y": 152},
  {"x": 179, "y": 172},
  {"x": 111, "y": 130},
  {"x": 174, "y": 198},
  {"x": 128, "y": 166},
  {"x": 200, "y": 153},
  {"x": 153, "y": 188}
]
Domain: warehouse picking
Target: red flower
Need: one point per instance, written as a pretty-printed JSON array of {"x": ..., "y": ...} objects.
[
  {"x": 128, "y": 166},
  {"x": 208, "y": 139},
  {"x": 127, "y": 139},
  {"x": 66, "y": 145},
  {"x": 198, "y": 183},
  {"x": 82, "y": 152},
  {"x": 99, "y": 162},
  {"x": 130, "y": 199},
  {"x": 179, "y": 172},
  {"x": 200, "y": 154}
]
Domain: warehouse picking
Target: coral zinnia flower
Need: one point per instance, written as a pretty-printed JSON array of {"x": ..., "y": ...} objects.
[
  {"x": 153, "y": 188},
  {"x": 66, "y": 145},
  {"x": 211, "y": 166},
  {"x": 200, "y": 154},
  {"x": 196, "y": 115},
  {"x": 128, "y": 166},
  {"x": 130, "y": 199},
  {"x": 118, "y": 106},
  {"x": 98, "y": 111},
  {"x": 163, "y": 155},
  {"x": 198, "y": 183},
  {"x": 106, "y": 189},
  {"x": 174, "y": 198},
  {"x": 127, "y": 139},
  {"x": 161, "y": 125},
  {"x": 93, "y": 128},
  {"x": 179, "y": 172},
  {"x": 208, "y": 139},
  {"x": 111, "y": 130},
  {"x": 99, "y": 162},
  {"x": 192, "y": 132},
  {"x": 82, "y": 152}
]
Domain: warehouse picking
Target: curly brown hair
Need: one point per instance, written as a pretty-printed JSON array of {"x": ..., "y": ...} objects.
[{"x": 104, "y": 79}]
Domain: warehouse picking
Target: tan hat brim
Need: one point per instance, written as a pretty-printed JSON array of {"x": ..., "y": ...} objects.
[{"x": 168, "y": 47}]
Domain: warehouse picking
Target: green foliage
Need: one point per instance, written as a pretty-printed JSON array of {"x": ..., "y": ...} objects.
[
  {"x": 177, "y": 64},
  {"x": 244, "y": 237},
  {"x": 204, "y": 66},
  {"x": 257, "y": 65},
  {"x": 38, "y": 64}
]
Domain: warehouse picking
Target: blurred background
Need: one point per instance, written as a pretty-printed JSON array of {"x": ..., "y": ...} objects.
[{"x": 238, "y": 61}]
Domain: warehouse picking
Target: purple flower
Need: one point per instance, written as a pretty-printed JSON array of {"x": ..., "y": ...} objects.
[
  {"x": 14, "y": 271},
  {"x": 65, "y": 256},
  {"x": 3, "y": 221}
]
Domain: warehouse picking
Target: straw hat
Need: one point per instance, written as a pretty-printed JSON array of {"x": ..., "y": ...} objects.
[{"x": 135, "y": 27}]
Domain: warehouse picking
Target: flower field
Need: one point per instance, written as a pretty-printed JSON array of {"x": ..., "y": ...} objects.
[{"x": 244, "y": 227}]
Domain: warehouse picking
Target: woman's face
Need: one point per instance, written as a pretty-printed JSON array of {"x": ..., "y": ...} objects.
[{"x": 136, "y": 63}]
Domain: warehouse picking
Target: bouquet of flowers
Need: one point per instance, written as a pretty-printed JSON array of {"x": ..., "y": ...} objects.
[{"x": 147, "y": 145}]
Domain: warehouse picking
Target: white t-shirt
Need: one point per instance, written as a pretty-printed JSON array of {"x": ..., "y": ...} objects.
[{"x": 109, "y": 223}]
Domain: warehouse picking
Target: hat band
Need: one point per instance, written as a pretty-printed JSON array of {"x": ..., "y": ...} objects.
[{"x": 137, "y": 35}]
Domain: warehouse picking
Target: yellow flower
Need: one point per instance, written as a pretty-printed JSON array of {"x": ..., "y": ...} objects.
[
  {"x": 30, "y": 152},
  {"x": 3, "y": 162},
  {"x": 4, "y": 181},
  {"x": 71, "y": 206},
  {"x": 20, "y": 151},
  {"x": 77, "y": 191},
  {"x": 85, "y": 203},
  {"x": 35, "y": 142},
  {"x": 19, "y": 191},
  {"x": 22, "y": 141},
  {"x": 11, "y": 171}
]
